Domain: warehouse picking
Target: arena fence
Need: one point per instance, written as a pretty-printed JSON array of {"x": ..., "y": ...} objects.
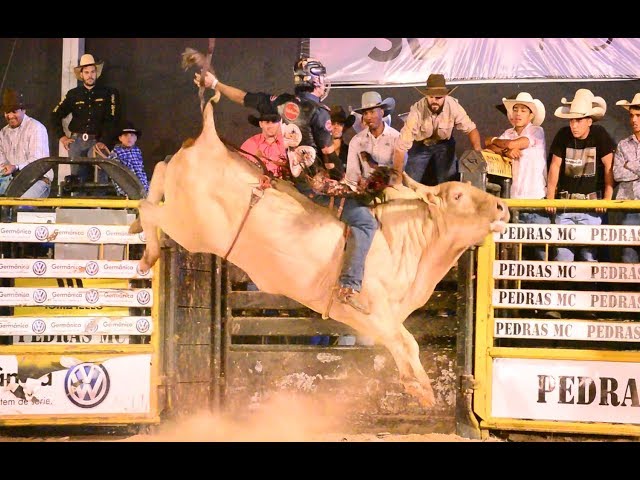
[
  {"x": 80, "y": 339},
  {"x": 556, "y": 344}
]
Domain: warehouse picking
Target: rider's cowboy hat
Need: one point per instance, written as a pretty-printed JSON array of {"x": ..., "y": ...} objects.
[
  {"x": 524, "y": 98},
  {"x": 338, "y": 115},
  {"x": 127, "y": 127},
  {"x": 374, "y": 100},
  {"x": 584, "y": 104},
  {"x": 87, "y": 60},
  {"x": 436, "y": 86},
  {"x": 266, "y": 114},
  {"x": 633, "y": 103},
  {"x": 13, "y": 100}
]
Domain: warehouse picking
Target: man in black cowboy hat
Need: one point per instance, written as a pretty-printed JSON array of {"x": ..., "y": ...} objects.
[
  {"x": 268, "y": 145},
  {"x": 95, "y": 111},
  {"x": 129, "y": 154},
  {"x": 427, "y": 134},
  {"x": 22, "y": 141},
  {"x": 340, "y": 123}
]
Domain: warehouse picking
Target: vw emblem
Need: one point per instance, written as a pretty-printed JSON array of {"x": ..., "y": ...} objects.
[
  {"x": 142, "y": 273},
  {"x": 142, "y": 325},
  {"x": 142, "y": 237},
  {"x": 39, "y": 268},
  {"x": 94, "y": 234},
  {"x": 38, "y": 326},
  {"x": 40, "y": 296},
  {"x": 92, "y": 325},
  {"x": 143, "y": 297},
  {"x": 42, "y": 233},
  {"x": 87, "y": 385},
  {"x": 92, "y": 268},
  {"x": 92, "y": 296}
]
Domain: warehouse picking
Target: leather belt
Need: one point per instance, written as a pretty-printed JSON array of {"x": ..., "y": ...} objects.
[
  {"x": 433, "y": 141},
  {"x": 580, "y": 196}
]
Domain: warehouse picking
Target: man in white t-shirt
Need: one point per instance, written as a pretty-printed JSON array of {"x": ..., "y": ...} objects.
[{"x": 524, "y": 144}]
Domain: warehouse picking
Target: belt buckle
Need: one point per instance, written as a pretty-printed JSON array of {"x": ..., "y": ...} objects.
[{"x": 85, "y": 137}]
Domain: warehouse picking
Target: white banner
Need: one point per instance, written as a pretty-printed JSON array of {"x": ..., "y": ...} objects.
[
  {"x": 567, "y": 300},
  {"x": 142, "y": 325},
  {"x": 60, "y": 233},
  {"x": 570, "y": 234},
  {"x": 577, "y": 391},
  {"x": 575, "y": 271},
  {"x": 409, "y": 61},
  {"x": 51, "y": 385},
  {"x": 96, "y": 297},
  {"x": 566, "y": 330},
  {"x": 71, "y": 339},
  {"x": 34, "y": 268}
]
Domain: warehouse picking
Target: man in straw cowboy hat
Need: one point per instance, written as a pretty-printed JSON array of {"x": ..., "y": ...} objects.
[
  {"x": 375, "y": 144},
  {"x": 309, "y": 119},
  {"x": 581, "y": 165},
  {"x": 95, "y": 111},
  {"x": 427, "y": 134},
  {"x": 22, "y": 141},
  {"x": 626, "y": 171}
]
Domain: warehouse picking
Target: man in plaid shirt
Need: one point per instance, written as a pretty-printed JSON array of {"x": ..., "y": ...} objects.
[{"x": 130, "y": 155}]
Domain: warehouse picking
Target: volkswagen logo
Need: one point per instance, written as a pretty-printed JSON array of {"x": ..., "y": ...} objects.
[
  {"x": 142, "y": 237},
  {"x": 87, "y": 385},
  {"x": 92, "y": 268},
  {"x": 92, "y": 325},
  {"x": 39, "y": 268},
  {"x": 94, "y": 234},
  {"x": 42, "y": 233},
  {"x": 142, "y": 325},
  {"x": 38, "y": 326},
  {"x": 92, "y": 296},
  {"x": 40, "y": 296},
  {"x": 143, "y": 297}
]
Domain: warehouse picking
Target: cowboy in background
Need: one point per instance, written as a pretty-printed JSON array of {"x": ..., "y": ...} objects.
[
  {"x": 581, "y": 165},
  {"x": 427, "y": 134},
  {"x": 626, "y": 170},
  {"x": 95, "y": 111},
  {"x": 340, "y": 124},
  {"x": 22, "y": 141},
  {"x": 269, "y": 145},
  {"x": 373, "y": 146},
  {"x": 130, "y": 155},
  {"x": 524, "y": 144}
]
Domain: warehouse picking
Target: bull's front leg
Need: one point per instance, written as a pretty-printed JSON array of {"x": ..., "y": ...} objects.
[
  {"x": 148, "y": 215},
  {"x": 156, "y": 192}
]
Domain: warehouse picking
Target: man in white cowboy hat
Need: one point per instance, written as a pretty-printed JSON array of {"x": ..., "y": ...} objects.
[
  {"x": 581, "y": 165},
  {"x": 375, "y": 144},
  {"x": 427, "y": 134},
  {"x": 524, "y": 144},
  {"x": 22, "y": 141},
  {"x": 626, "y": 171},
  {"x": 308, "y": 118},
  {"x": 95, "y": 111}
]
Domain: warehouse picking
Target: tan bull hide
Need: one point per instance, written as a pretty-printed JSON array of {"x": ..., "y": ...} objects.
[{"x": 291, "y": 246}]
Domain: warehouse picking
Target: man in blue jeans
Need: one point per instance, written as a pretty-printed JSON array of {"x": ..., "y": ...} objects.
[
  {"x": 427, "y": 134},
  {"x": 313, "y": 160}
]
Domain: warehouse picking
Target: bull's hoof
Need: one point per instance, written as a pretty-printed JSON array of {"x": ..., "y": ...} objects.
[
  {"x": 424, "y": 394},
  {"x": 136, "y": 226}
]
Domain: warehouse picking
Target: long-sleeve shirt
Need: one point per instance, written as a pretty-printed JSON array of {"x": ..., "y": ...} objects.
[
  {"x": 24, "y": 144},
  {"x": 423, "y": 125},
  {"x": 94, "y": 111},
  {"x": 626, "y": 168},
  {"x": 270, "y": 151},
  {"x": 131, "y": 157}
]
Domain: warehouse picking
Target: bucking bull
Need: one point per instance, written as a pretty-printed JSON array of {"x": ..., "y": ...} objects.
[{"x": 289, "y": 245}]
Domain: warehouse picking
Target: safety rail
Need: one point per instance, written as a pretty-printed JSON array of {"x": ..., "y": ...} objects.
[
  {"x": 540, "y": 370},
  {"x": 80, "y": 339}
]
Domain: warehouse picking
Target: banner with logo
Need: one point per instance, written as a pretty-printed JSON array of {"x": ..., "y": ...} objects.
[
  {"x": 60, "y": 233},
  {"x": 409, "y": 61},
  {"x": 34, "y": 268},
  {"x": 83, "y": 385}
]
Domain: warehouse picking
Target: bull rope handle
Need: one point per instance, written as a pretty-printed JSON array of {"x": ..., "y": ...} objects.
[{"x": 206, "y": 66}]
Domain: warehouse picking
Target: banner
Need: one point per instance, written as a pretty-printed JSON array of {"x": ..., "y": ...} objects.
[{"x": 409, "y": 61}]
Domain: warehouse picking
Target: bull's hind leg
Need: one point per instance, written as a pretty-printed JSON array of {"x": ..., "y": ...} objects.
[
  {"x": 406, "y": 353},
  {"x": 156, "y": 192}
]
